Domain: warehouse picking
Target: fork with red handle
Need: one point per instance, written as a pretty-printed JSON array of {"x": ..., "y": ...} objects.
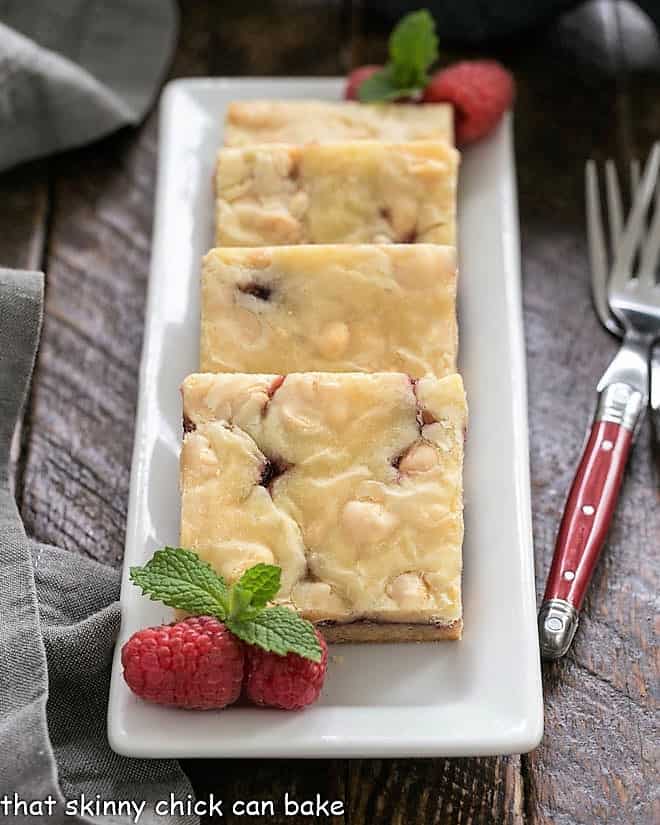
[{"x": 628, "y": 294}]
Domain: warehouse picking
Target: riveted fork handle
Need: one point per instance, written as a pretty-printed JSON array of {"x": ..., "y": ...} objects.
[{"x": 587, "y": 515}]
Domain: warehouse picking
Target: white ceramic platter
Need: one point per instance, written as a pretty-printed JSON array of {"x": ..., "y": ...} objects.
[{"x": 479, "y": 696}]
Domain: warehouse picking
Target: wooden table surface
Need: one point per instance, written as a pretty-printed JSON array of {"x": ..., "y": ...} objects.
[{"x": 587, "y": 85}]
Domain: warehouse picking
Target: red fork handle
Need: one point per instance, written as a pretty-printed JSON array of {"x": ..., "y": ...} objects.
[
  {"x": 588, "y": 512},
  {"x": 587, "y": 516}
]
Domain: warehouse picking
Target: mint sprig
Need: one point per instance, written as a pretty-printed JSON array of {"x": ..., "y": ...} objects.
[
  {"x": 262, "y": 582},
  {"x": 413, "y": 49},
  {"x": 279, "y": 630},
  {"x": 180, "y": 579}
]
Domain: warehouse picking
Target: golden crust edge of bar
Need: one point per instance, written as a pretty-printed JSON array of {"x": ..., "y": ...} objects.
[{"x": 380, "y": 632}]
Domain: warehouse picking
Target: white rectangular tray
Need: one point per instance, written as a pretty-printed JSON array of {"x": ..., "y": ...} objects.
[{"x": 479, "y": 696}]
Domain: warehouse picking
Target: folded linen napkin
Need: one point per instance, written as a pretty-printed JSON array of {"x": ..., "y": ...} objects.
[
  {"x": 59, "y": 620},
  {"x": 75, "y": 70}
]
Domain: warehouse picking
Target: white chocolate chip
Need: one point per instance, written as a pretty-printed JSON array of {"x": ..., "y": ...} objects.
[
  {"x": 235, "y": 558},
  {"x": 317, "y": 596},
  {"x": 367, "y": 522},
  {"x": 420, "y": 458},
  {"x": 408, "y": 590},
  {"x": 422, "y": 267}
]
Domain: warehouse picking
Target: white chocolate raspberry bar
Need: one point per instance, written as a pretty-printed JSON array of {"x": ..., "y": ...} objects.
[
  {"x": 351, "y": 483},
  {"x": 359, "y": 192},
  {"x": 316, "y": 121},
  {"x": 344, "y": 308}
]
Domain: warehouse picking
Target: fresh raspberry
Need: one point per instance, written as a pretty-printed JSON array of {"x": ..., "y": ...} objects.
[
  {"x": 481, "y": 91},
  {"x": 356, "y": 78},
  {"x": 288, "y": 682},
  {"x": 196, "y": 663}
]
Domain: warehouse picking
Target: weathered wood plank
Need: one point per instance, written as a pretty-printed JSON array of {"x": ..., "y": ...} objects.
[
  {"x": 263, "y": 781},
  {"x": 436, "y": 791},
  {"x": 78, "y": 456}
]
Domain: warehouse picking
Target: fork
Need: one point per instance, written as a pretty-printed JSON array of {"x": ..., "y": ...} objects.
[
  {"x": 600, "y": 267},
  {"x": 632, "y": 305}
]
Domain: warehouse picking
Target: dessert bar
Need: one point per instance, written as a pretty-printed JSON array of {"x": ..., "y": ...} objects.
[
  {"x": 315, "y": 121},
  {"x": 340, "y": 308},
  {"x": 351, "y": 483},
  {"x": 359, "y": 192}
]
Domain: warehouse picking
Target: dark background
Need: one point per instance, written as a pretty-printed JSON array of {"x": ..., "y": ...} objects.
[{"x": 588, "y": 85}]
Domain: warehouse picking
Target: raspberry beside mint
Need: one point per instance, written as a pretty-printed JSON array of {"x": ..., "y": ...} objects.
[
  {"x": 196, "y": 664},
  {"x": 480, "y": 91},
  {"x": 287, "y": 682}
]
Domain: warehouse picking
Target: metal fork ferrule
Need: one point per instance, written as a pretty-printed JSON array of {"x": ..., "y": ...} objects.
[
  {"x": 621, "y": 404},
  {"x": 558, "y": 621}
]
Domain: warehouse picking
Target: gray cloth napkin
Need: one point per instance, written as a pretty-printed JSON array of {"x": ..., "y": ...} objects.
[
  {"x": 72, "y": 71},
  {"x": 59, "y": 619}
]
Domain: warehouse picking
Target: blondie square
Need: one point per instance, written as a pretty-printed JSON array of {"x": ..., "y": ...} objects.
[
  {"x": 359, "y": 192},
  {"x": 343, "y": 308},
  {"x": 351, "y": 483},
  {"x": 317, "y": 121}
]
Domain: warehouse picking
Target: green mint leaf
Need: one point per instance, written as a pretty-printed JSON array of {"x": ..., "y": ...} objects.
[
  {"x": 413, "y": 49},
  {"x": 380, "y": 86},
  {"x": 239, "y": 602},
  {"x": 261, "y": 582},
  {"x": 279, "y": 630},
  {"x": 180, "y": 579}
]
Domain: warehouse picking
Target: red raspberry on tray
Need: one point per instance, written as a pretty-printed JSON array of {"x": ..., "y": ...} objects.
[
  {"x": 480, "y": 91},
  {"x": 199, "y": 663},
  {"x": 287, "y": 682},
  {"x": 196, "y": 664}
]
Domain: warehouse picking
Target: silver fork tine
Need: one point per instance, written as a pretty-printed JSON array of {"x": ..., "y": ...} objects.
[
  {"x": 649, "y": 261},
  {"x": 597, "y": 247},
  {"x": 614, "y": 210},
  {"x": 634, "y": 227}
]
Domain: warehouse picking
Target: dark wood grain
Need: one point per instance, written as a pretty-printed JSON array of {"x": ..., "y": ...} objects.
[
  {"x": 77, "y": 466},
  {"x": 588, "y": 85},
  {"x": 436, "y": 791},
  {"x": 260, "y": 780}
]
